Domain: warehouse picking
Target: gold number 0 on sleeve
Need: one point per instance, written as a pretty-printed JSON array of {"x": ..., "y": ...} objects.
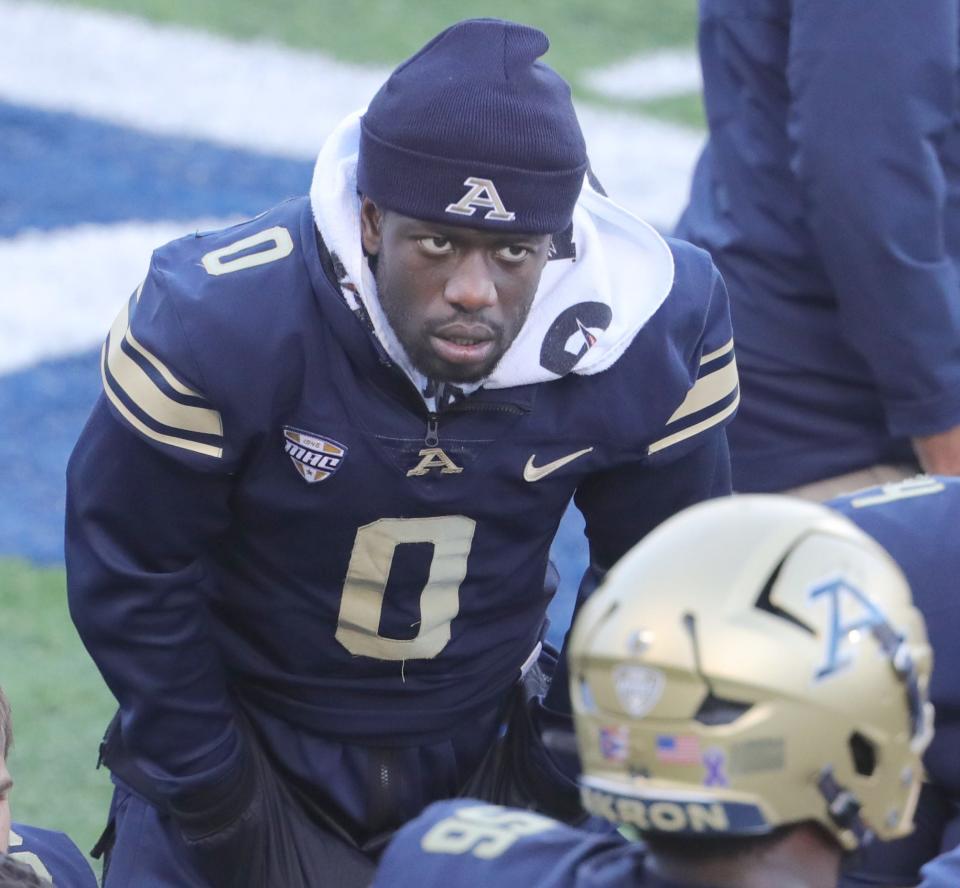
[
  {"x": 233, "y": 258},
  {"x": 365, "y": 586}
]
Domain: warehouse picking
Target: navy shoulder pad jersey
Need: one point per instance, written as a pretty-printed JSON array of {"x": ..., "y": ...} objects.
[
  {"x": 463, "y": 843},
  {"x": 916, "y": 521},
  {"x": 51, "y": 855},
  {"x": 262, "y": 512}
]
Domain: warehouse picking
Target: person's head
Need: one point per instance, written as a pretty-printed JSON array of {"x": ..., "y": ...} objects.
[
  {"x": 471, "y": 158},
  {"x": 14, "y": 874},
  {"x": 6, "y": 783},
  {"x": 752, "y": 671}
]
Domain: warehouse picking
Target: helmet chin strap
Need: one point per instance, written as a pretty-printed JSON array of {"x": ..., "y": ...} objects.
[{"x": 844, "y": 808}]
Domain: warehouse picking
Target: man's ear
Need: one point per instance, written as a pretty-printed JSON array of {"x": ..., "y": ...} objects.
[{"x": 371, "y": 226}]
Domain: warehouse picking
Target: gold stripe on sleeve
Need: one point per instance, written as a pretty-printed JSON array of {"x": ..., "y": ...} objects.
[
  {"x": 708, "y": 390},
  {"x": 162, "y": 369},
  {"x": 694, "y": 429},
  {"x": 147, "y": 395},
  {"x": 706, "y": 359},
  {"x": 186, "y": 444}
]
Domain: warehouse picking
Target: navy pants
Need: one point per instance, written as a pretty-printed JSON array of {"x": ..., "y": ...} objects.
[
  {"x": 283, "y": 840},
  {"x": 274, "y": 843}
]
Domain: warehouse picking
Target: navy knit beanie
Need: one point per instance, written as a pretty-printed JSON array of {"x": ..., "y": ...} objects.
[{"x": 473, "y": 130}]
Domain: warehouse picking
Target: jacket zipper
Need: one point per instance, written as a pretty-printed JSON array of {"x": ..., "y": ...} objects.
[
  {"x": 432, "y": 437},
  {"x": 433, "y": 433}
]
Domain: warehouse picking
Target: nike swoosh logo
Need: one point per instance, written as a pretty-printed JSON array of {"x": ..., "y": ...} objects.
[{"x": 535, "y": 473}]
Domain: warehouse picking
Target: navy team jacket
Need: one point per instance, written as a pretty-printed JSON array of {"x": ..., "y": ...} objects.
[
  {"x": 247, "y": 527},
  {"x": 52, "y": 855},
  {"x": 829, "y": 197}
]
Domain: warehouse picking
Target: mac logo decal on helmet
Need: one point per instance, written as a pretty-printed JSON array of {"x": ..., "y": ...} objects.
[
  {"x": 794, "y": 677},
  {"x": 482, "y": 194}
]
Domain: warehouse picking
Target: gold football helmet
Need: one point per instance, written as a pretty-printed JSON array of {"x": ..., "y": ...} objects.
[{"x": 756, "y": 661}]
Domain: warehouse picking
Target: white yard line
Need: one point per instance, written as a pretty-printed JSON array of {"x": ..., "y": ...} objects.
[
  {"x": 259, "y": 96},
  {"x": 644, "y": 164},
  {"x": 175, "y": 81},
  {"x": 61, "y": 290},
  {"x": 667, "y": 72}
]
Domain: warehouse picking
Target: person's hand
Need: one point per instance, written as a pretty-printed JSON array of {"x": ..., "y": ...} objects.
[{"x": 939, "y": 454}]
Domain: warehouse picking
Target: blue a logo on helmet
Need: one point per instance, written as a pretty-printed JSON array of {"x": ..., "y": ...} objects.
[{"x": 843, "y": 623}]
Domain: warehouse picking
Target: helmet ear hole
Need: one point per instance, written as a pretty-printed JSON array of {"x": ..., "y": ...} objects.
[{"x": 864, "y": 754}]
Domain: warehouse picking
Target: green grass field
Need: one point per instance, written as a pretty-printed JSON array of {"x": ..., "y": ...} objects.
[
  {"x": 60, "y": 707},
  {"x": 583, "y": 33}
]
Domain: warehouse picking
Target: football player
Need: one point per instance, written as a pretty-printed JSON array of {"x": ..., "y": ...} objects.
[
  {"x": 42, "y": 851},
  {"x": 17, "y": 875},
  {"x": 750, "y": 695},
  {"x": 916, "y": 521},
  {"x": 309, "y": 519}
]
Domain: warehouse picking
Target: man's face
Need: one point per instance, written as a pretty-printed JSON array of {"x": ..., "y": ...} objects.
[
  {"x": 6, "y": 784},
  {"x": 456, "y": 297}
]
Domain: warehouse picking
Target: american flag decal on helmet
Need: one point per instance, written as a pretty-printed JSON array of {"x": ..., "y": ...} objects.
[{"x": 316, "y": 458}]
